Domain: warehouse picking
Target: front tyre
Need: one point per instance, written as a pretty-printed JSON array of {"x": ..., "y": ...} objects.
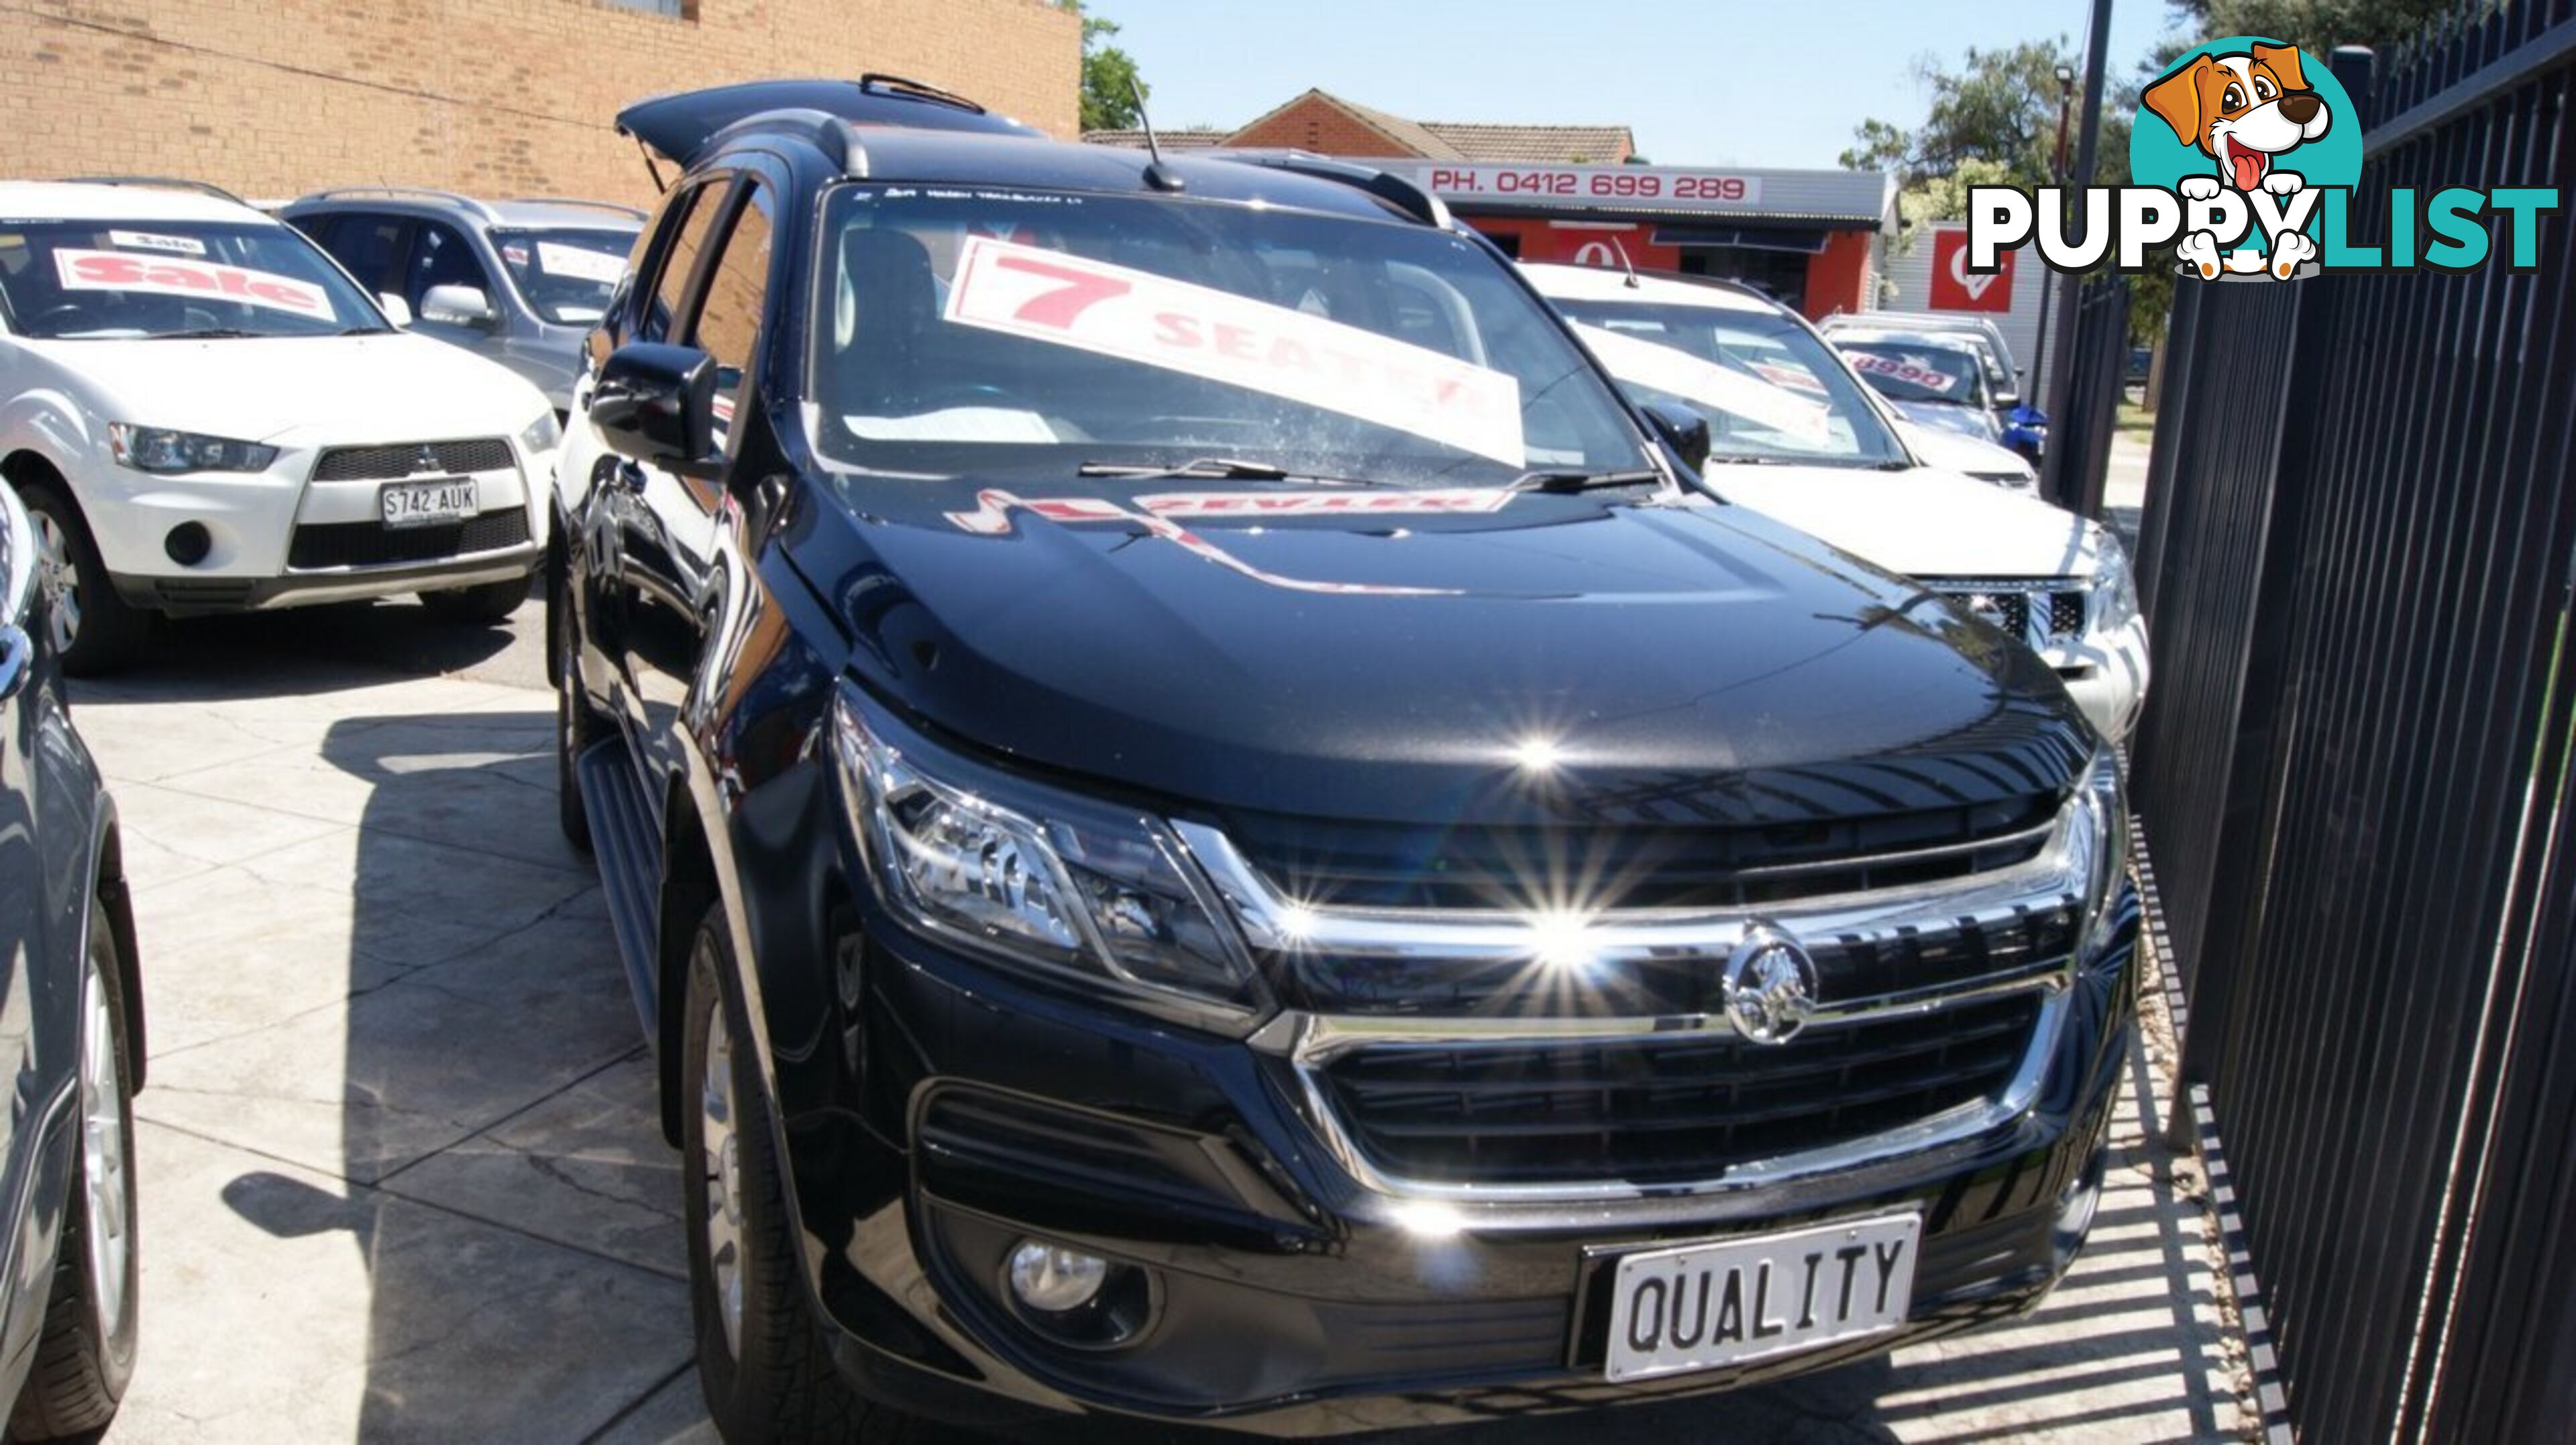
[
  {"x": 85, "y": 1353},
  {"x": 763, "y": 1362},
  {"x": 94, "y": 630},
  {"x": 483, "y": 605}
]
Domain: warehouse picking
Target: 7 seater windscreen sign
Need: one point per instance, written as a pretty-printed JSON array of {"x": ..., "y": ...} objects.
[{"x": 1066, "y": 300}]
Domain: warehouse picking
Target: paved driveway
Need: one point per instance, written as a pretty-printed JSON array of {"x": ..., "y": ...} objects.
[{"x": 401, "y": 1175}]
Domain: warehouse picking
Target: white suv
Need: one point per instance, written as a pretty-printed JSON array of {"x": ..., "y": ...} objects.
[
  {"x": 204, "y": 413},
  {"x": 1796, "y": 434}
]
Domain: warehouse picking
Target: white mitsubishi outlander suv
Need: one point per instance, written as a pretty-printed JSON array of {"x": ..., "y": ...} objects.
[
  {"x": 203, "y": 413},
  {"x": 1796, "y": 434}
]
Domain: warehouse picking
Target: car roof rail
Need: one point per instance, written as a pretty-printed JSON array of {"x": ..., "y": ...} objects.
[
  {"x": 334, "y": 193},
  {"x": 166, "y": 183},
  {"x": 1387, "y": 186},
  {"x": 630, "y": 212},
  {"x": 879, "y": 82}
]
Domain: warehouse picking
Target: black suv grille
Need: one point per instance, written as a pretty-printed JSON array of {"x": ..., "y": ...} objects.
[
  {"x": 404, "y": 459},
  {"x": 1664, "y": 1111},
  {"x": 1349, "y": 865},
  {"x": 371, "y": 544}
]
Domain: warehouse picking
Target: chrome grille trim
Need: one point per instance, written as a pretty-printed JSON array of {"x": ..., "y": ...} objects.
[
  {"x": 2038, "y": 610},
  {"x": 1307, "y": 1041}
]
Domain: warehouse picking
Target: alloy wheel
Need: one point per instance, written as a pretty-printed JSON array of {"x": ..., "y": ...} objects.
[
  {"x": 105, "y": 1153},
  {"x": 60, "y": 576},
  {"x": 720, "y": 1161}
]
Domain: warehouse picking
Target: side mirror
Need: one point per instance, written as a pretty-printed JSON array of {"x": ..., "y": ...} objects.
[
  {"x": 1682, "y": 429},
  {"x": 458, "y": 306},
  {"x": 657, "y": 404},
  {"x": 396, "y": 309}
]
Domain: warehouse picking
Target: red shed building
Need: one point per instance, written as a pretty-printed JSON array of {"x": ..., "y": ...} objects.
[{"x": 1580, "y": 193}]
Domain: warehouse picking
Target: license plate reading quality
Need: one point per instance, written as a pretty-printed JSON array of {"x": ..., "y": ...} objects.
[
  {"x": 1697, "y": 1306},
  {"x": 427, "y": 504}
]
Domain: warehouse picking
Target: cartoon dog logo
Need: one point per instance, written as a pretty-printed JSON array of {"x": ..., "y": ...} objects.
[{"x": 2243, "y": 111}]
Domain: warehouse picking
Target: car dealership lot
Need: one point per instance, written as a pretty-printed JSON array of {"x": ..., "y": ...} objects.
[{"x": 400, "y": 1176}]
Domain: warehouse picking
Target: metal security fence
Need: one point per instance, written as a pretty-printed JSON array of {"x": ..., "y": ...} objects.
[
  {"x": 2088, "y": 406},
  {"x": 2358, "y": 555}
]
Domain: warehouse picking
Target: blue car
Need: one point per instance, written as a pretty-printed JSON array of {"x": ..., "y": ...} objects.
[{"x": 71, "y": 1013}]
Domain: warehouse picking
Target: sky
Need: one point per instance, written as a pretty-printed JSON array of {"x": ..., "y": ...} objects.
[{"x": 1715, "y": 82}]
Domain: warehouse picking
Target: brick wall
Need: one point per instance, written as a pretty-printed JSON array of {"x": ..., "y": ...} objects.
[
  {"x": 271, "y": 98},
  {"x": 1318, "y": 126}
]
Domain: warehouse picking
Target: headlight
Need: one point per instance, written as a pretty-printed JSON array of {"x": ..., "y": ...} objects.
[
  {"x": 158, "y": 449},
  {"x": 1075, "y": 889},
  {"x": 542, "y": 434},
  {"x": 2115, "y": 587},
  {"x": 2099, "y": 838}
]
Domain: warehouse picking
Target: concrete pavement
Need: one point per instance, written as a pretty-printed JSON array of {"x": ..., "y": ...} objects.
[{"x": 401, "y": 1176}]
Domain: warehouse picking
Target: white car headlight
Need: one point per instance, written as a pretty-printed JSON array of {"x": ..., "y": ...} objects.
[
  {"x": 1029, "y": 877},
  {"x": 162, "y": 451},
  {"x": 541, "y": 435}
]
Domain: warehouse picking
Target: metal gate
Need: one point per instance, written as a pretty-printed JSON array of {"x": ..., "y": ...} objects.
[
  {"x": 2354, "y": 767},
  {"x": 2088, "y": 407}
]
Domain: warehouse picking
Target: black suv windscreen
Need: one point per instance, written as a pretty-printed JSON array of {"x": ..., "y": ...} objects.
[
  {"x": 1768, "y": 388},
  {"x": 564, "y": 276},
  {"x": 974, "y": 332},
  {"x": 1935, "y": 374},
  {"x": 125, "y": 279}
]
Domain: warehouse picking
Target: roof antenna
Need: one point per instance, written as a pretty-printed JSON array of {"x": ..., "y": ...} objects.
[
  {"x": 1158, "y": 175},
  {"x": 1625, "y": 263}
]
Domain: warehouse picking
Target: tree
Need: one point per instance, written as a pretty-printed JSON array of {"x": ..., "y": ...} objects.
[
  {"x": 1998, "y": 106},
  {"x": 1111, "y": 89},
  {"x": 2315, "y": 26}
]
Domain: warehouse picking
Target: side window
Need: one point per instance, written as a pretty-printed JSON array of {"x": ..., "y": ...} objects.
[
  {"x": 441, "y": 256},
  {"x": 365, "y": 244},
  {"x": 680, "y": 258},
  {"x": 727, "y": 325}
]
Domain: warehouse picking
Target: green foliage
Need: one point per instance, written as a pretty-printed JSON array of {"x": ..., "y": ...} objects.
[
  {"x": 1111, "y": 87},
  {"x": 2315, "y": 26}
]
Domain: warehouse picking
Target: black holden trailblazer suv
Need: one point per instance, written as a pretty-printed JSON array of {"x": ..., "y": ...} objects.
[{"x": 1208, "y": 826}]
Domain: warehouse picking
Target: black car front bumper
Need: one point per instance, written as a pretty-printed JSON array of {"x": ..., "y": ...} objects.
[{"x": 1285, "y": 1297}]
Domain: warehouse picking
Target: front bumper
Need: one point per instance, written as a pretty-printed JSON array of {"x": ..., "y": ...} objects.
[
  {"x": 253, "y": 522},
  {"x": 967, "y": 1112}
]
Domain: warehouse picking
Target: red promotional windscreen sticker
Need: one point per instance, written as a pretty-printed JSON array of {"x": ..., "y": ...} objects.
[
  {"x": 1065, "y": 300},
  {"x": 172, "y": 276},
  {"x": 1910, "y": 372}
]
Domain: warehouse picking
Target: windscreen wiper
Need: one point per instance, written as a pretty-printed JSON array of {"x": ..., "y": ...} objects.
[
  {"x": 1231, "y": 469},
  {"x": 1570, "y": 480},
  {"x": 207, "y": 333},
  {"x": 1228, "y": 469}
]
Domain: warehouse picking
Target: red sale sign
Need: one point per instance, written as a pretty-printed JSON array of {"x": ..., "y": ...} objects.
[
  {"x": 171, "y": 276},
  {"x": 1065, "y": 300},
  {"x": 1955, "y": 288}
]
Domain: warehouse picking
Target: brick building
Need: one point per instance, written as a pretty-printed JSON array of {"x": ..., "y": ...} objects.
[
  {"x": 1581, "y": 193},
  {"x": 271, "y": 98}
]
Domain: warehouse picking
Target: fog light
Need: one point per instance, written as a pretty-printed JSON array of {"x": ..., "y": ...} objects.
[
  {"x": 188, "y": 543},
  {"x": 1055, "y": 1279}
]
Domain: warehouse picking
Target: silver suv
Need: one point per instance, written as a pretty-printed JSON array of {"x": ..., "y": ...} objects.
[{"x": 517, "y": 281}]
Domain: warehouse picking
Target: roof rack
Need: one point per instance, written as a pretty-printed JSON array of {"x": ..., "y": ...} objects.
[
  {"x": 624, "y": 210},
  {"x": 167, "y": 183},
  {"x": 877, "y": 80},
  {"x": 336, "y": 192},
  {"x": 1387, "y": 186}
]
